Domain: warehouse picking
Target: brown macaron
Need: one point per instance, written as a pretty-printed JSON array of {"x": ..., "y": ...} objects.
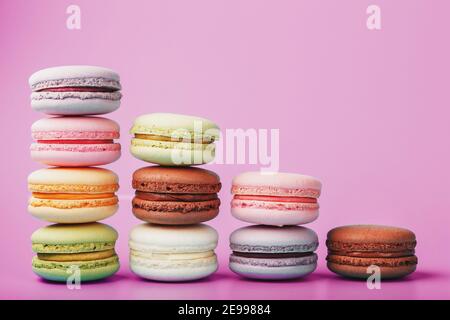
[
  {"x": 175, "y": 195},
  {"x": 352, "y": 249}
]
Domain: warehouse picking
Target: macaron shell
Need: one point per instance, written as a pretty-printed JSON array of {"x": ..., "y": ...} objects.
[
  {"x": 72, "y": 72},
  {"x": 60, "y": 272},
  {"x": 278, "y": 184},
  {"x": 274, "y": 217},
  {"x": 77, "y": 156},
  {"x": 75, "y": 128},
  {"x": 173, "y": 273},
  {"x": 148, "y": 237},
  {"x": 176, "y": 180},
  {"x": 59, "y": 234},
  {"x": 372, "y": 238},
  {"x": 72, "y": 176},
  {"x": 175, "y": 218},
  {"x": 268, "y": 239},
  {"x": 165, "y": 123},
  {"x": 75, "y": 107},
  {"x": 360, "y": 272},
  {"x": 74, "y": 215},
  {"x": 171, "y": 154},
  {"x": 271, "y": 273}
]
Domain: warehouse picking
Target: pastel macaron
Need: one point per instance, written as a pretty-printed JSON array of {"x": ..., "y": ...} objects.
[
  {"x": 275, "y": 198},
  {"x": 79, "y": 250},
  {"x": 173, "y": 139},
  {"x": 73, "y": 195},
  {"x": 75, "y": 90},
  {"x": 75, "y": 141},
  {"x": 175, "y": 195},
  {"x": 173, "y": 253},
  {"x": 273, "y": 253},
  {"x": 357, "y": 251}
]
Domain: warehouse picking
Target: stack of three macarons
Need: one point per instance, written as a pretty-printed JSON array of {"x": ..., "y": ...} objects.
[
  {"x": 275, "y": 248},
  {"x": 74, "y": 195},
  {"x": 174, "y": 198}
]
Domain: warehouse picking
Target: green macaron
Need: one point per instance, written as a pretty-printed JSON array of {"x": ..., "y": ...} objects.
[
  {"x": 84, "y": 250},
  {"x": 174, "y": 139}
]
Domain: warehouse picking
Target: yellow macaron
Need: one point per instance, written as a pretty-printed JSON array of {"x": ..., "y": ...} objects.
[{"x": 73, "y": 195}]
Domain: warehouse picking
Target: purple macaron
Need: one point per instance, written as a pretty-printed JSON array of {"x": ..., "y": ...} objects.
[
  {"x": 75, "y": 90},
  {"x": 273, "y": 253}
]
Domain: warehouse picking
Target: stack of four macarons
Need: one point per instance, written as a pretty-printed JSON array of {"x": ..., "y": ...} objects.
[
  {"x": 73, "y": 194},
  {"x": 174, "y": 198}
]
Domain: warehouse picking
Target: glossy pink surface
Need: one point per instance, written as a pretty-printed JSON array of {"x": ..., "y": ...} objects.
[{"x": 364, "y": 111}]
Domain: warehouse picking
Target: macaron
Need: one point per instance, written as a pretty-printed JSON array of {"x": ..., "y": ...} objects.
[
  {"x": 353, "y": 249},
  {"x": 272, "y": 253},
  {"x": 73, "y": 195},
  {"x": 173, "y": 253},
  {"x": 64, "y": 250},
  {"x": 175, "y": 195},
  {"x": 75, "y": 141},
  {"x": 275, "y": 198},
  {"x": 75, "y": 90},
  {"x": 173, "y": 139}
]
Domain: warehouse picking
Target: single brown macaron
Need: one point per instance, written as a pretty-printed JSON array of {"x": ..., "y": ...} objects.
[
  {"x": 352, "y": 249},
  {"x": 175, "y": 195}
]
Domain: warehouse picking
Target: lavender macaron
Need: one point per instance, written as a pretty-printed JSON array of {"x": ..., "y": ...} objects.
[
  {"x": 75, "y": 90},
  {"x": 273, "y": 253}
]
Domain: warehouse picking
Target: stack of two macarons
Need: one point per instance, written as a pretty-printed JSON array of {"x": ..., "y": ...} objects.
[
  {"x": 73, "y": 194},
  {"x": 275, "y": 248},
  {"x": 174, "y": 198}
]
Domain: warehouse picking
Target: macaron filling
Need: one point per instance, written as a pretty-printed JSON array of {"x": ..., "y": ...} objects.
[
  {"x": 72, "y": 188},
  {"x": 72, "y": 196},
  {"x": 75, "y": 203},
  {"x": 180, "y": 206},
  {"x": 275, "y": 198},
  {"x": 83, "y": 256},
  {"x": 66, "y": 141},
  {"x": 274, "y": 260},
  {"x": 178, "y": 197},
  {"x": 267, "y": 255},
  {"x": 188, "y": 138},
  {"x": 78, "y": 89}
]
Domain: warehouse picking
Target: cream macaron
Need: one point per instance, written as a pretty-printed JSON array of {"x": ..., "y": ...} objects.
[
  {"x": 173, "y": 253},
  {"x": 73, "y": 195}
]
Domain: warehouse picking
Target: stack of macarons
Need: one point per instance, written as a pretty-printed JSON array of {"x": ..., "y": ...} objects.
[
  {"x": 275, "y": 248},
  {"x": 174, "y": 198},
  {"x": 73, "y": 194}
]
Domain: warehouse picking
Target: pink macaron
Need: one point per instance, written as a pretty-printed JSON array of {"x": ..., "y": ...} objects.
[
  {"x": 75, "y": 141},
  {"x": 276, "y": 199}
]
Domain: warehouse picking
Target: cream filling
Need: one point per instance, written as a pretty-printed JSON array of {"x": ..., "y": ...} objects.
[{"x": 171, "y": 145}]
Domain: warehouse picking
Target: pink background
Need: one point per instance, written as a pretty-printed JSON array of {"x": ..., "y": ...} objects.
[{"x": 367, "y": 112}]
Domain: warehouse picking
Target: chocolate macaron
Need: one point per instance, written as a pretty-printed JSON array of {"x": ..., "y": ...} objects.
[
  {"x": 175, "y": 195},
  {"x": 353, "y": 249}
]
